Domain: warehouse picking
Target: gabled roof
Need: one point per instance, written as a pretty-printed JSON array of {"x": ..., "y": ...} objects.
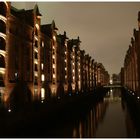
[
  {"x": 36, "y": 10},
  {"x": 48, "y": 28}
]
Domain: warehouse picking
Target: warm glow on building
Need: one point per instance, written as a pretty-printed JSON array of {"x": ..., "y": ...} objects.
[
  {"x": 2, "y": 52},
  {"x": 53, "y": 75},
  {"x": 36, "y": 61},
  {"x": 42, "y": 66},
  {"x": 36, "y": 38},
  {"x": 53, "y": 56},
  {"x": 36, "y": 73},
  {"x": 53, "y": 65},
  {"x": 42, "y": 93},
  {"x": 2, "y": 70},
  {"x": 47, "y": 62},
  {"x": 3, "y": 18},
  {"x": 36, "y": 50},
  {"x": 42, "y": 44},
  {"x": 3, "y": 35},
  {"x": 42, "y": 77},
  {"x": 54, "y": 38}
]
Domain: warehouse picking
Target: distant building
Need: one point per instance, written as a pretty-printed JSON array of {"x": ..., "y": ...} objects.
[{"x": 116, "y": 79}]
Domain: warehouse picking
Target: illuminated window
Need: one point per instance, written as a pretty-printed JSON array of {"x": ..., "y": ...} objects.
[
  {"x": 42, "y": 77},
  {"x": 36, "y": 62},
  {"x": 53, "y": 65},
  {"x": 73, "y": 49},
  {"x": 16, "y": 75},
  {"x": 35, "y": 49},
  {"x": 73, "y": 70},
  {"x": 65, "y": 60},
  {"x": 73, "y": 77},
  {"x": 42, "y": 44},
  {"x": 42, "y": 66},
  {"x": 53, "y": 75},
  {"x": 54, "y": 38},
  {"x": 35, "y": 91},
  {"x": 65, "y": 68},
  {"x": 53, "y": 56},
  {"x": 73, "y": 63},
  {"x": 53, "y": 47},
  {"x": 42, "y": 93},
  {"x": 65, "y": 52}
]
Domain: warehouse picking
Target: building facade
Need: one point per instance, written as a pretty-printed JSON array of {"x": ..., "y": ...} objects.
[
  {"x": 130, "y": 73},
  {"x": 37, "y": 64}
]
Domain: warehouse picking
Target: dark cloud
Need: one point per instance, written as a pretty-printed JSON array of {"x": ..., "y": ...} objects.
[{"x": 105, "y": 29}]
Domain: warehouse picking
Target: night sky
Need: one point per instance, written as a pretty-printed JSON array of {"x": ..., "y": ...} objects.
[{"x": 105, "y": 29}]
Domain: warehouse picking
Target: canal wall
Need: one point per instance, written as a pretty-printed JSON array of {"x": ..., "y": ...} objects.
[{"x": 133, "y": 104}]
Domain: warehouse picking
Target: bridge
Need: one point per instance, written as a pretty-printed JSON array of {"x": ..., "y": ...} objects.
[{"x": 112, "y": 86}]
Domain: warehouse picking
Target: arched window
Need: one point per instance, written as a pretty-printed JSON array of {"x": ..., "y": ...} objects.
[
  {"x": 2, "y": 27},
  {"x": 3, "y": 9},
  {"x": 2, "y": 44},
  {"x": 2, "y": 61}
]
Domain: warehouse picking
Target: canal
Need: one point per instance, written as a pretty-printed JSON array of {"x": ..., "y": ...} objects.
[
  {"x": 109, "y": 118},
  {"x": 106, "y": 117}
]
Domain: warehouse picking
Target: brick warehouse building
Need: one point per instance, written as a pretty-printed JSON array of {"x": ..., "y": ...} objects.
[
  {"x": 36, "y": 63},
  {"x": 130, "y": 72}
]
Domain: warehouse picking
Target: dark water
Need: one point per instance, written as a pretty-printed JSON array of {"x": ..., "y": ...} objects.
[{"x": 109, "y": 118}]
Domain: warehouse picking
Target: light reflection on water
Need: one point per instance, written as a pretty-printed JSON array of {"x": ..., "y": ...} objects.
[{"x": 106, "y": 119}]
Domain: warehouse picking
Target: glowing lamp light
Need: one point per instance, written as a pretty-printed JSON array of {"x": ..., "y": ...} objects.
[
  {"x": 138, "y": 97},
  {"x": 9, "y": 110},
  {"x": 54, "y": 38},
  {"x": 111, "y": 81}
]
